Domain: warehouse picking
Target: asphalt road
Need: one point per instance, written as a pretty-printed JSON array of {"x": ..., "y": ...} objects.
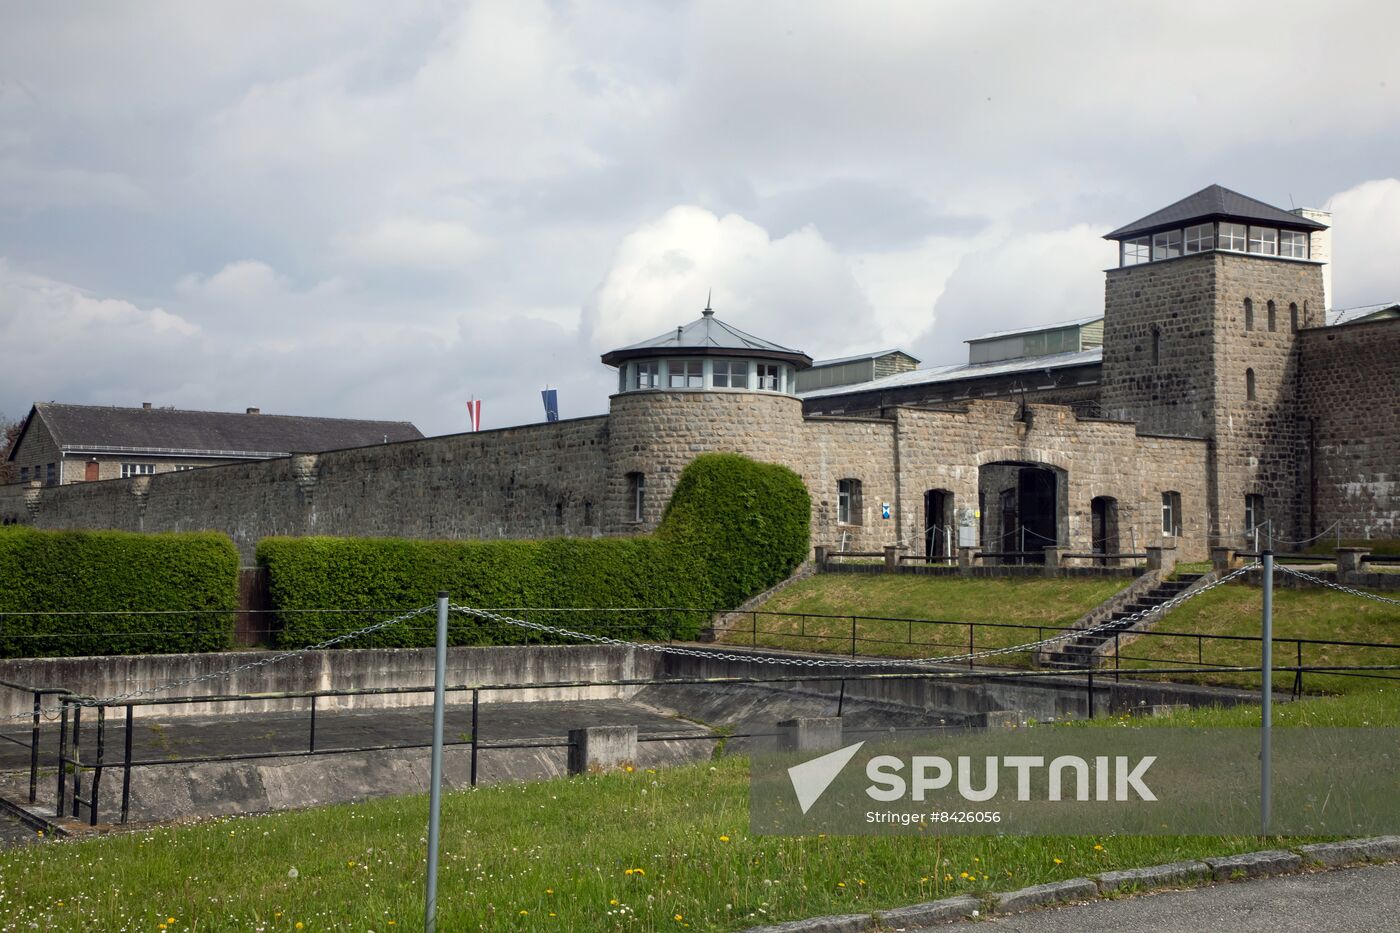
[{"x": 1348, "y": 900}]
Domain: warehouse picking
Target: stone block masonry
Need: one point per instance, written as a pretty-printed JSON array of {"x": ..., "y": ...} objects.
[{"x": 1347, "y": 381}]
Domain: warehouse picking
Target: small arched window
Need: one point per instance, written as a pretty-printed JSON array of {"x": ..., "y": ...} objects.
[
  {"x": 1249, "y": 389},
  {"x": 1156, "y": 344},
  {"x": 848, "y": 504},
  {"x": 587, "y": 514},
  {"x": 1293, "y": 315},
  {"x": 1273, "y": 316},
  {"x": 636, "y": 496},
  {"x": 1249, "y": 314}
]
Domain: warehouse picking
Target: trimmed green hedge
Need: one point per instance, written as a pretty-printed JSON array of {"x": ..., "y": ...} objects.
[
  {"x": 93, "y": 571},
  {"x": 733, "y": 528}
]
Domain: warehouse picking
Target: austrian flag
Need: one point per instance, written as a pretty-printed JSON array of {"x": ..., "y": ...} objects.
[{"x": 474, "y": 413}]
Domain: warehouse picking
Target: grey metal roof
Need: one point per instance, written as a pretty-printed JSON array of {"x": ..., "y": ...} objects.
[
  {"x": 956, "y": 373},
  {"x": 875, "y": 355},
  {"x": 1214, "y": 201},
  {"x": 707, "y": 335},
  {"x": 83, "y": 427},
  {"x": 1362, "y": 312},
  {"x": 1077, "y": 322}
]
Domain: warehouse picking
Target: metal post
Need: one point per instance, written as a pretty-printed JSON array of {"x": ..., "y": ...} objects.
[
  {"x": 62, "y": 757},
  {"x": 971, "y": 646},
  {"x": 841, "y": 700},
  {"x": 311, "y": 742},
  {"x": 1266, "y": 669},
  {"x": 753, "y": 641},
  {"x": 853, "y": 636},
  {"x": 77, "y": 758},
  {"x": 34, "y": 751},
  {"x": 435, "y": 790},
  {"x": 1090, "y": 691},
  {"x": 97, "y": 769},
  {"x": 1298, "y": 674},
  {"x": 1115, "y": 657},
  {"x": 475, "y": 739},
  {"x": 126, "y": 767}
]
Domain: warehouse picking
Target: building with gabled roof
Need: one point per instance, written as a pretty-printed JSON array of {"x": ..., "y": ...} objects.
[{"x": 63, "y": 443}]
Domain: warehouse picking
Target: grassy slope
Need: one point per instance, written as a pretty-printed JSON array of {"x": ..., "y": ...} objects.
[
  {"x": 1032, "y": 603},
  {"x": 1314, "y": 613}
]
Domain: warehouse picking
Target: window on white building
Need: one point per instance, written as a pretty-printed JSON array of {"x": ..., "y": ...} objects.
[
  {"x": 647, "y": 375},
  {"x": 137, "y": 469},
  {"x": 769, "y": 378},
  {"x": 687, "y": 374},
  {"x": 1137, "y": 250},
  {"x": 730, "y": 374}
]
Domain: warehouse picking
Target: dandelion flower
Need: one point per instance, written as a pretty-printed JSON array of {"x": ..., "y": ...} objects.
[
  {"x": 1059, "y": 861},
  {"x": 723, "y": 838}
]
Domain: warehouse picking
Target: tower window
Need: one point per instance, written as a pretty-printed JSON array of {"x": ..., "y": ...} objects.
[
  {"x": 848, "y": 502},
  {"x": 1249, "y": 385},
  {"x": 636, "y": 495},
  {"x": 1232, "y": 236},
  {"x": 768, "y": 378},
  {"x": 587, "y": 513},
  {"x": 1273, "y": 316},
  {"x": 1263, "y": 240},
  {"x": 1293, "y": 244},
  {"x": 558, "y": 513},
  {"x": 1166, "y": 245},
  {"x": 1171, "y": 514},
  {"x": 648, "y": 375},
  {"x": 1293, "y": 315},
  {"x": 1136, "y": 251},
  {"x": 730, "y": 374},
  {"x": 1156, "y": 345},
  {"x": 1249, "y": 314},
  {"x": 1200, "y": 238},
  {"x": 687, "y": 374}
]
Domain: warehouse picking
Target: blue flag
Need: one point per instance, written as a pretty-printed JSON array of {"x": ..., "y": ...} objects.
[{"x": 551, "y": 404}]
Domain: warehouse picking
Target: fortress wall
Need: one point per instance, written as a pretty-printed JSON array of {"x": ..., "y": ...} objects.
[
  {"x": 507, "y": 483},
  {"x": 1348, "y": 377},
  {"x": 947, "y": 449}
]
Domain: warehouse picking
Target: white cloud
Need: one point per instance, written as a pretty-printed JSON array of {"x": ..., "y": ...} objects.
[
  {"x": 414, "y": 243},
  {"x": 1023, "y": 280},
  {"x": 1365, "y": 243},
  {"x": 795, "y": 290}
]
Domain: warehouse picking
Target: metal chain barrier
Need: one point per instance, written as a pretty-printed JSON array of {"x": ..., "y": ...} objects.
[
  {"x": 51, "y": 712},
  {"x": 489, "y": 616},
  {"x": 1349, "y": 590}
]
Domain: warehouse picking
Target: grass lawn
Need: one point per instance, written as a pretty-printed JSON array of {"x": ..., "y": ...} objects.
[
  {"x": 1235, "y": 609},
  {"x": 1032, "y": 606},
  {"x": 636, "y": 851}
]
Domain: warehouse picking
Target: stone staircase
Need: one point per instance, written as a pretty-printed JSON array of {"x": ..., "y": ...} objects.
[{"x": 1078, "y": 653}]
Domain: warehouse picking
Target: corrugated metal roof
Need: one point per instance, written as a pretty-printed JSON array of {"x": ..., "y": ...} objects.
[
  {"x": 98, "y": 426},
  {"x": 962, "y": 371},
  {"x": 1214, "y": 201},
  {"x": 863, "y": 356},
  {"x": 1361, "y": 312},
  {"x": 1077, "y": 322}
]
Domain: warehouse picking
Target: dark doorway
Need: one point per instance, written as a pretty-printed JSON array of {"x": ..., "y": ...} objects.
[
  {"x": 938, "y": 524},
  {"x": 1104, "y": 526},
  {"x": 1027, "y": 511}
]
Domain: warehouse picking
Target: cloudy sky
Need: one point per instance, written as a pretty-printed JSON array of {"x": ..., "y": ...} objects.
[{"x": 380, "y": 210}]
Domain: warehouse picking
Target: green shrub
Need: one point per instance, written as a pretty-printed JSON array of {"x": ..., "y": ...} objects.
[
  {"x": 733, "y": 528},
  {"x": 91, "y": 571}
]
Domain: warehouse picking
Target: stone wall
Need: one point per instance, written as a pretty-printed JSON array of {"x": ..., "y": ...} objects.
[
  {"x": 1347, "y": 380},
  {"x": 1191, "y": 313},
  {"x": 527, "y": 482}
]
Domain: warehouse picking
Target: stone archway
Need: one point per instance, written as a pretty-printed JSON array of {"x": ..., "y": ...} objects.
[{"x": 939, "y": 532}]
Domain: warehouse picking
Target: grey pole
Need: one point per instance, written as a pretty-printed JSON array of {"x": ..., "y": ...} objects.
[
  {"x": 435, "y": 792},
  {"x": 1267, "y": 674}
]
